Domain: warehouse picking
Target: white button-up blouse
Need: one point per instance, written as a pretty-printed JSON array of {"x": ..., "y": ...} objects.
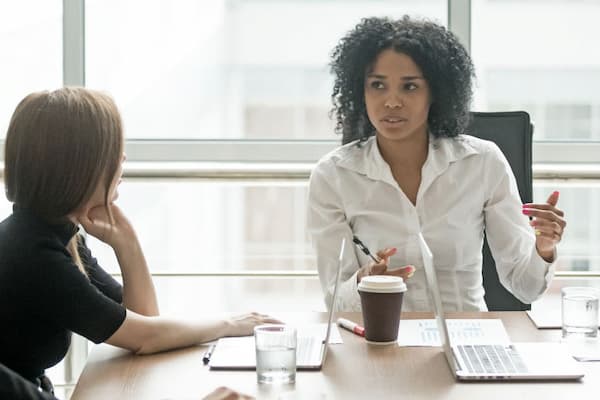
[{"x": 467, "y": 187}]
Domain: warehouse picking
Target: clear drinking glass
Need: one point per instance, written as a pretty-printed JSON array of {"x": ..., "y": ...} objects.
[
  {"x": 580, "y": 312},
  {"x": 275, "y": 353}
]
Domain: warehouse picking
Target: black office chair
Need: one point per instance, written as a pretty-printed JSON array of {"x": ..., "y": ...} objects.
[{"x": 512, "y": 131}]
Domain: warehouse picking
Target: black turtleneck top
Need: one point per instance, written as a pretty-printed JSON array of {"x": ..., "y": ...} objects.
[
  {"x": 44, "y": 297},
  {"x": 14, "y": 386}
]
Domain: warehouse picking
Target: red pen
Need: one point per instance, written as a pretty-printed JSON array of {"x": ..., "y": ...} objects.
[{"x": 351, "y": 326}]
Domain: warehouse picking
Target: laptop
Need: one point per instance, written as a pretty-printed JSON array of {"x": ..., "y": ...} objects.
[
  {"x": 238, "y": 353},
  {"x": 494, "y": 361}
]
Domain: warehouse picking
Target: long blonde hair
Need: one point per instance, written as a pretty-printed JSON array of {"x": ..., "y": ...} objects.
[
  {"x": 60, "y": 146},
  {"x": 73, "y": 250}
]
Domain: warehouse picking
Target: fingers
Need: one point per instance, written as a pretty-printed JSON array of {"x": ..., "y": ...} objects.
[
  {"x": 405, "y": 272},
  {"x": 543, "y": 207},
  {"x": 549, "y": 205},
  {"x": 370, "y": 269},
  {"x": 546, "y": 214},
  {"x": 85, "y": 221},
  {"x": 549, "y": 222},
  {"x": 553, "y": 198},
  {"x": 269, "y": 320},
  {"x": 547, "y": 226},
  {"x": 264, "y": 319},
  {"x": 547, "y": 230},
  {"x": 224, "y": 393},
  {"x": 381, "y": 268},
  {"x": 386, "y": 253},
  {"x": 384, "y": 257},
  {"x": 378, "y": 269},
  {"x": 242, "y": 325},
  {"x": 98, "y": 212}
]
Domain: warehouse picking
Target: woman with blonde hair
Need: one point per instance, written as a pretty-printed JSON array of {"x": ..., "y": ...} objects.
[{"x": 63, "y": 164}]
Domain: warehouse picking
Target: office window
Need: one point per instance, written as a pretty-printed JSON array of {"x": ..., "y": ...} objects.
[
  {"x": 540, "y": 54},
  {"x": 579, "y": 249},
  {"x": 568, "y": 120},
  {"x": 212, "y": 227},
  {"x": 30, "y": 37},
  {"x": 535, "y": 56},
  {"x": 196, "y": 226},
  {"x": 225, "y": 68},
  {"x": 553, "y": 121}
]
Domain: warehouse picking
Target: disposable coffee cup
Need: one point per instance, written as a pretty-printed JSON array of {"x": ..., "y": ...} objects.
[{"x": 381, "y": 303}]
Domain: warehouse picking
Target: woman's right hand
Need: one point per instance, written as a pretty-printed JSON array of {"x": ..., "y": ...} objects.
[
  {"x": 381, "y": 268},
  {"x": 224, "y": 393},
  {"x": 243, "y": 325}
]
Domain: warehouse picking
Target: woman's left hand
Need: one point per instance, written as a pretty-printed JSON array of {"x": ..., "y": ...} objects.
[{"x": 549, "y": 224}]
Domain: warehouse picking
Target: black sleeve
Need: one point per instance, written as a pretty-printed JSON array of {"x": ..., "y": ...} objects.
[
  {"x": 67, "y": 298},
  {"x": 14, "y": 386},
  {"x": 98, "y": 276}
]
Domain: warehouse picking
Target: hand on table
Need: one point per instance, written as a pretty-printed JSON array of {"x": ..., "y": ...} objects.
[
  {"x": 224, "y": 393},
  {"x": 549, "y": 224},
  {"x": 243, "y": 325},
  {"x": 381, "y": 268}
]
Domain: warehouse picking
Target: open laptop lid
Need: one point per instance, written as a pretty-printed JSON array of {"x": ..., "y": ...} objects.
[
  {"x": 331, "y": 306},
  {"x": 237, "y": 353},
  {"x": 436, "y": 301}
]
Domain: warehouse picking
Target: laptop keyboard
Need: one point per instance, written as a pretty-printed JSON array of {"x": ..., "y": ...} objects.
[{"x": 492, "y": 359}]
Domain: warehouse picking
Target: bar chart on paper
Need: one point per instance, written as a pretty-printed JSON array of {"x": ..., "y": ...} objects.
[{"x": 424, "y": 332}]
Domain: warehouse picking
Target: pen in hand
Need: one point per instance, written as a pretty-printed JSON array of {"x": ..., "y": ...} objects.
[
  {"x": 364, "y": 249},
  {"x": 208, "y": 354}
]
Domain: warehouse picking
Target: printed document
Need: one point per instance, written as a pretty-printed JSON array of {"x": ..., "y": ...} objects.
[{"x": 424, "y": 332}]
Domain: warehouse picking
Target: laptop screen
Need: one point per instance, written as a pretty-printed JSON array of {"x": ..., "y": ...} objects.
[
  {"x": 333, "y": 298},
  {"x": 435, "y": 300}
]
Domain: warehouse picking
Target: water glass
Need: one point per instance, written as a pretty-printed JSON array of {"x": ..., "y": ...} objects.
[
  {"x": 275, "y": 353},
  {"x": 580, "y": 312}
]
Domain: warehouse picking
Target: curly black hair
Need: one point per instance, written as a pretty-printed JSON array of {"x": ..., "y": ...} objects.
[{"x": 445, "y": 63}]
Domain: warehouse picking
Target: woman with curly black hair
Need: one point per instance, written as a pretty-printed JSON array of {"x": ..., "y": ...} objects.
[{"x": 401, "y": 100}]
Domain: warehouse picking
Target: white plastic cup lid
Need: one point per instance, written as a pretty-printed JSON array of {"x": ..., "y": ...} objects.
[{"x": 382, "y": 284}]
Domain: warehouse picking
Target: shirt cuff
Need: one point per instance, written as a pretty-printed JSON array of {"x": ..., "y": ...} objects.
[
  {"x": 550, "y": 267},
  {"x": 348, "y": 297},
  {"x": 539, "y": 263}
]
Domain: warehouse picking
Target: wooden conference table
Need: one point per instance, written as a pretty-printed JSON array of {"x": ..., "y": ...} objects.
[{"x": 353, "y": 370}]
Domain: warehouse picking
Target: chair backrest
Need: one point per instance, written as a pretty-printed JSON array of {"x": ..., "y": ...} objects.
[{"x": 512, "y": 131}]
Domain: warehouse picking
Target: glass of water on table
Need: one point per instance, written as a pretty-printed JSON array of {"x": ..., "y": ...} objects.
[
  {"x": 580, "y": 312},
  {"x": 275, "y": 353}
]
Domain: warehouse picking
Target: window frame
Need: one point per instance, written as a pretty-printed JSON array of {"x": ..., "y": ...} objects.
[{"x": 556, "y": 158}]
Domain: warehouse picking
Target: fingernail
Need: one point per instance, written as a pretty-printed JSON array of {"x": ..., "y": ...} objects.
[
  {"x": 526, "y": 211},
  {"x": 556, "y": 193},
  {"x": 537, "y": 232},
  {"x": 527, "y": 205},
  {"x": 532, "y": 222}
]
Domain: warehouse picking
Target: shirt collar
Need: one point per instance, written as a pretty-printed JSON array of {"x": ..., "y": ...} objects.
[
  {"x": 63, "y": 229},
  {"x": 366, "y": 159}
]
